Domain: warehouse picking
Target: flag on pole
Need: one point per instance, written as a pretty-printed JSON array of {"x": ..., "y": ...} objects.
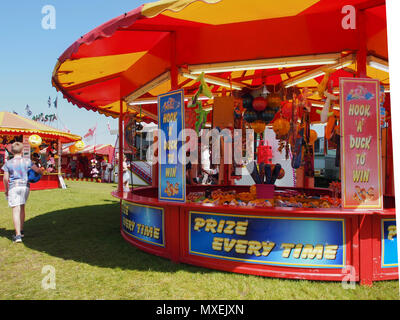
[
  {"x": 90, "y": 134},
  {"x": 28, "y": 110}
]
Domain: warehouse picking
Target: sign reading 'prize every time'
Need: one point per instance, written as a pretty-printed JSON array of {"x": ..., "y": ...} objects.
[{"x": 361, "y": 145}]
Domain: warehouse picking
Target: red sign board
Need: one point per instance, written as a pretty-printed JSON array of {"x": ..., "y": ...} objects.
[{"x": 361, "y": 166}]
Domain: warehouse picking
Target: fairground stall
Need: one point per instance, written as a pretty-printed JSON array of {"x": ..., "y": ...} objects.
[
  {"x": 225, "y": 65},
  {"x": 93, "y": 162},
  {"x": 42, "y": 144}
]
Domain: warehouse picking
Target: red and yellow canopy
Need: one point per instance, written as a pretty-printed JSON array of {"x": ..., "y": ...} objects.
[
  {"x": 12, "y": 124},
  {"x": 130, "y": 57}
]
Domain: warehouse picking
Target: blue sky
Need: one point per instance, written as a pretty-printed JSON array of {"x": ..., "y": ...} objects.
[{"x": 28, "y": 54}]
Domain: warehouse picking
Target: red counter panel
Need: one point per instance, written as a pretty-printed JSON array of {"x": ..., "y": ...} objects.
[
  {"x": 45, "y": 183},
  {"x": 293, "y": 236},
  {"x": 366, "y": 241}
]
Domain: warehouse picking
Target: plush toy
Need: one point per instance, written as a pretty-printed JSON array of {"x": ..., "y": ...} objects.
[
  {"x": 324, "y": 83},
  {"x": 323, "y": 92},
  {"x": 201, "y": 113},
  {"x": 325, "y": 112}
]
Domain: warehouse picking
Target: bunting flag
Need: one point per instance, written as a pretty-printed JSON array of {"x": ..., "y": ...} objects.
[
  {"x": 28, "y": 110},
  {"x": 90, "y": 134},
  {"x": 112, "y": 132}
]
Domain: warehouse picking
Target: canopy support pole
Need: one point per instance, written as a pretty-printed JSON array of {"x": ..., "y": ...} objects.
[
  {"x": 362, "y": 45},
  {"x": 120, "y": 147},
  {"x": 59, "y": 152},
  {"x": 174, "y": 67}
]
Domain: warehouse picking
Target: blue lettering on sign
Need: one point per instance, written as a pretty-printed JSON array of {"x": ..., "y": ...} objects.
[{"x": 281, "y": 241}]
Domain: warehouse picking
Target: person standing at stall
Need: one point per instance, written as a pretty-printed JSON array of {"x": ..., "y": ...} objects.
[
  {"x": 17, "y": 186},
  {"x": 125, "y": 175}
]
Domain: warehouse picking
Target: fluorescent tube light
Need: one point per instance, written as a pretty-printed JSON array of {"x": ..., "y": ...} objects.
[
  {"x": 215, "y": 81},
  {"x": 155, "y": 101},
  {"x": 378, "y": 63},
  {"x": 304, "y": 79},
  {"x": 340, "y": 63},
  {"x": 285, "y": 62}
]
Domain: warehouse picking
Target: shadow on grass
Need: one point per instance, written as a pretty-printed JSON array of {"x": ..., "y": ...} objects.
[{"x": 91, "y": 235}]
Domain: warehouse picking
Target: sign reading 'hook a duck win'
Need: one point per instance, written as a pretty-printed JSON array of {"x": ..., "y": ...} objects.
[
  {"x": 361, "y": 166},
  {"x": 172, "y": 178}
]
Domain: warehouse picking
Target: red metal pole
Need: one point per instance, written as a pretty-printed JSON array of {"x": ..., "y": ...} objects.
[
  {"x": 174, "y": 68},
  {"x": 362, "y": 45},
  {"x": 366, "y": 254},
  {"x": 121, "y": 146}
]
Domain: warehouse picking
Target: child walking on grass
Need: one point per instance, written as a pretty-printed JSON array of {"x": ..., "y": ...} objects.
[{"x": 17, "y": 186}]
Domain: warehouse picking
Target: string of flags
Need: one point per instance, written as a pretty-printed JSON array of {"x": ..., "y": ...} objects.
[
  {"x": 42, "y": 117},
  {"x": 51, "y": 117}
]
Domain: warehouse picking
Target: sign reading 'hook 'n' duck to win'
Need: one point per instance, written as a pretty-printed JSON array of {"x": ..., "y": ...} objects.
[{"x": 361, "y": 166}]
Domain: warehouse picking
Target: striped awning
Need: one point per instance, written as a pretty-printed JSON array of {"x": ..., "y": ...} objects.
[
  {"x": 99, "y": 149},
  {"x": 13, "y": 124},
  {"x": 130, "y": 56}
]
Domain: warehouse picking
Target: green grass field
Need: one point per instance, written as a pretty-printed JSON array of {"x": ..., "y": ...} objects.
[{"x": 77, "y": 232}]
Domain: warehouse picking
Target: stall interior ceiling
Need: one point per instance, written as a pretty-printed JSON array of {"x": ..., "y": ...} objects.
[{"x": 277, "y": 44}]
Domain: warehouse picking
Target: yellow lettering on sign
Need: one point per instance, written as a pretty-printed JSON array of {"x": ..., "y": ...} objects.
[
  {"x": 170, "y": 117},
  {"x": 254, "y": 248},
  {"x": 210, "y": 226},
  {"x": 199, "y": 223},
  {"x": 156, "y": 233},
  {"x": 330, "y": 252},
  {"x": 392, "y": 232},
  {"x": 229, "y": 244},
  {"x": 311, "y": 252},
  {"x": 360, "y": 175},
  {"x": 267, "y": 248},
  {"x": 229, "y": 227},
  {"x": 241, "y": 228},
  {"x": 241, "y": 246},
  {"x": 287, "y": 248},
  {"x": 217, "y": 244}
]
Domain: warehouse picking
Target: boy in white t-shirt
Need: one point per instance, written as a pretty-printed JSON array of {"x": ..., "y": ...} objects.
[{"x": 17, "y": 186}]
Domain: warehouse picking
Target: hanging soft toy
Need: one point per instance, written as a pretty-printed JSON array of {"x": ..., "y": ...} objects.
[
  {"x": 325, "y": 113},
  {"x": 201, "y": 113}
]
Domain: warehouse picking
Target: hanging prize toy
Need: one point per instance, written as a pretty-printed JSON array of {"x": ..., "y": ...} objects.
[{"x": 201, "y": 113}]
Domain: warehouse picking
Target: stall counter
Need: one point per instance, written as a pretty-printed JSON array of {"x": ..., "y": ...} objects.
[{"x": 296, "y": 243}]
